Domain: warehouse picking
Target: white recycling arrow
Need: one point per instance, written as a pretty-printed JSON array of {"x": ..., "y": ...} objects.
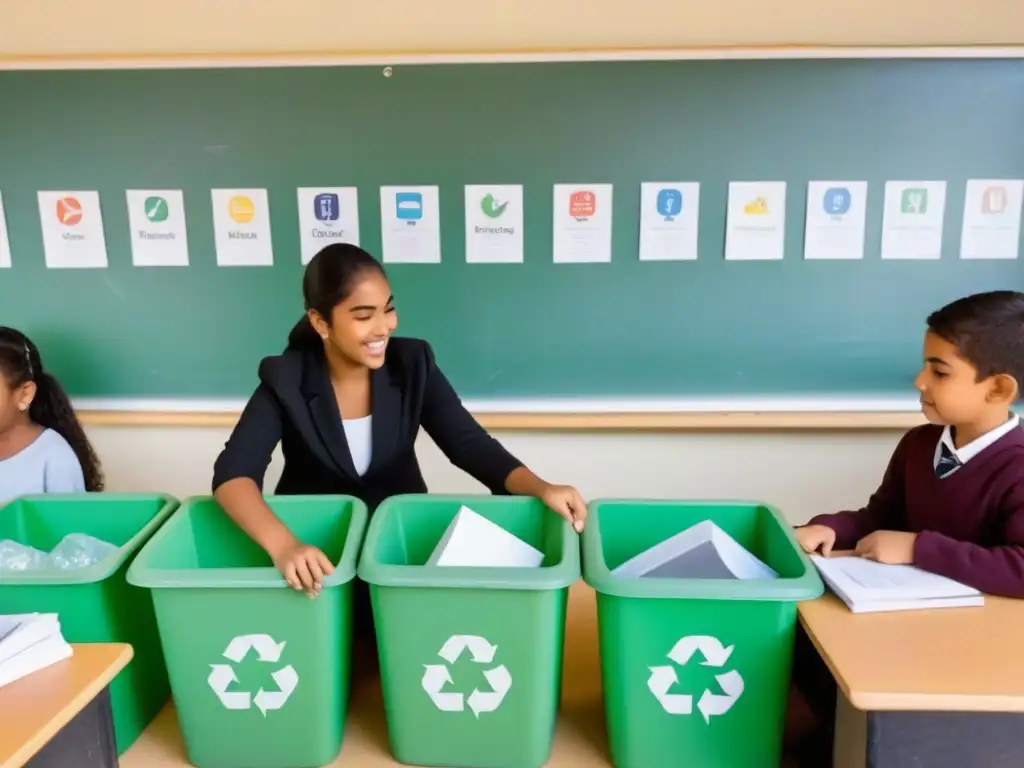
[
  {"x": 435, "y": 676},
  {"x": 221, "y": 676},
  {"x": 481, "y": 650},
  {"x": 712, "y": 705},
  {"x": 710, "y": 647},
  {"x": 268, "y": 651},
  {"x": 660, "y": 683},
  {"x": 265, "y": 646},
  {"x": 287, "y": 679},
  {"x": 500, "y": 681}
]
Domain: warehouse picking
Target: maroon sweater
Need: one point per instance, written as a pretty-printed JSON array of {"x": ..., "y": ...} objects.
[{"x": 970, "y": 525}]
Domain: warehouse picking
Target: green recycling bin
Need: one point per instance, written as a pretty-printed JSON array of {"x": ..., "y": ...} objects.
[
  {"x": 95, "y": 603},
  {"x": 695, "y": 670},
  {"x": 259, "y": 672},
  {"x": 470, "y": 657}
]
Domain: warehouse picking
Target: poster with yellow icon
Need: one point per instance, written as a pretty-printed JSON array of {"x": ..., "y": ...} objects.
[
  {"x": 241, "y": 228},
  {"x": 756, "y": 225}
]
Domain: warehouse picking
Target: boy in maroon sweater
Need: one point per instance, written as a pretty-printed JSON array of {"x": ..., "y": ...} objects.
[{"x": 951, "y": 500}]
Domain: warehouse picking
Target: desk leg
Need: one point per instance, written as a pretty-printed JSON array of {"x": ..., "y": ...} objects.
[
  {"x": 944, "y": 740},
  {"x": 851, "y": 735},
  {"x": 85, "y": 742}
]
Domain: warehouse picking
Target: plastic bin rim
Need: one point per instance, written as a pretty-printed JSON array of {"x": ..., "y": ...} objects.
[
  {"x": 807, "y": 586},
  {"x": 102, "y": 569},
  {"x": 552, "y": 577},
  {"x": 141, "y": 575}
]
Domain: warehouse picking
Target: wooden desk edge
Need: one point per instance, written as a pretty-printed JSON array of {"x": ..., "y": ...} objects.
[
  {"x": 888, "y": 701},
  {"x": 73, "y": 706},
  {"x": 736, "y": 421}
]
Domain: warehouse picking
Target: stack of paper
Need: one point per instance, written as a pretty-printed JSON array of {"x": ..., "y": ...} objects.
[
  {"x": 29, "y": 642},
  {"x": 702, "y": 551},
  {"x": 473, "y": 540},
  {"x": 867, "y": 586}
]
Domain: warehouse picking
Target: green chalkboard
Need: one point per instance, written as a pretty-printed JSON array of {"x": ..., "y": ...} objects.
[{"x": 628, "y": 328}]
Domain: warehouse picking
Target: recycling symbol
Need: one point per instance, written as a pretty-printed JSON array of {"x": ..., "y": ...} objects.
[
  {"x": 710, "y": 704},
  {"x": 435, "y": 676},
  {"x": 269, "y": 652}
]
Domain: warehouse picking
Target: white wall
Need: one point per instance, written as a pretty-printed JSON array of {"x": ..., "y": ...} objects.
[
  {"x": 802, "y": 473},
  {"x": 255, "y": 27}
]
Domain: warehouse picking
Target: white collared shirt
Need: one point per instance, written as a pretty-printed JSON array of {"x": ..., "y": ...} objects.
[{"x": 967, "y": 452}]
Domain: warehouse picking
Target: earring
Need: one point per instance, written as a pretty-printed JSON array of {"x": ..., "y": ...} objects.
[{"x": 22, "y": 406}]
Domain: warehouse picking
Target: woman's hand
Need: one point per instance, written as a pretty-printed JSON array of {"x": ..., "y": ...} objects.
[
  {"x": 304, "y": 567},
  {"x": 566, "y": 501},
  {"x": 563, "y": 499}
]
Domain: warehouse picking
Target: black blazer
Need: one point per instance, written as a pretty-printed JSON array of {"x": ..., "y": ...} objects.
[{"x": 294, "y": 404}]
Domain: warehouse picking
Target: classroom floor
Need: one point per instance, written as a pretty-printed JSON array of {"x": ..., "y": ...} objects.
[{"x": 579, "y": 741}]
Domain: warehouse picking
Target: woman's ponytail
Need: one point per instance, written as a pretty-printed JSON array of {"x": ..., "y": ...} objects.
[{"x": 303, "y": 335}]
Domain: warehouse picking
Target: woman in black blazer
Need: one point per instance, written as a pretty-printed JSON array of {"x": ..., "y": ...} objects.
[{"x": 346, "y": 400}]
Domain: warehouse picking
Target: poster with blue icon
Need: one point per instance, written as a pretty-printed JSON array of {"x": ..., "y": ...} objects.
[
  {"x": 836, "y": 216},
  {"x": 410, "y": 223},
  {"x": 669, "y": 216},
  {"x": 327, "y": 215}
]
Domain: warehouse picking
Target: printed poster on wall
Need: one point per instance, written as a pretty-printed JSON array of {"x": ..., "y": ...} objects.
[
  {"x": 494, "y": 223},
  {"x": 410, "y": 220},
  {"x": 912, "y": 222},
  {"x": 5, "y": 242},
  {"x": 241, "y": 228},
  {"x": 992, "y": 212},
  {"x": 72, "y": 225},
  {"x": 327, "y": 215},
  {"x": 836, "y": 219},
  {"x": 756, "y": 223},
  {"x": 669, "y": 216},
  {"x": 156, "y": 220},
  {"x": 582, "y": 223}
]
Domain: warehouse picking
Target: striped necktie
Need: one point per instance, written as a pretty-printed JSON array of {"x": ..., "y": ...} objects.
[{"x": 947, "y": 463}]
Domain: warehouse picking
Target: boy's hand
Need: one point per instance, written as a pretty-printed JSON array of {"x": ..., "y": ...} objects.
[
  {"x": 811, "y": 537},
  {"x": 889, "y": 547}
]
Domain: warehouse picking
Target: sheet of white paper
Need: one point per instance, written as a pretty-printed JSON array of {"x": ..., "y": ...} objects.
[
  {"x": 327, "y": 215},
  {"x": 72, "y": 225},
  {"x": 756, "y": 225},
  {"x": 912, "y": 222},
  {"x": 669, "y": 216},
  {"x": 992, "y": 212},
  {"x": 156, "y": 223},
  {"x": 241, "y": 226},
  {"x": 582, "y": 223},
  {"x": 410, "y": 220},
  {"x": 5, "y": 242},
  {"x": 836, "y": 215},
  {"x": 494, "y": 224}
]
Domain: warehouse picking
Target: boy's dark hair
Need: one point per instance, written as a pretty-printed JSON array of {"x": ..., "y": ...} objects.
[
  {"x": 20, "y": 363},
  {"x": 329, "y": 279},
  {"x": 988, "y": 331}
]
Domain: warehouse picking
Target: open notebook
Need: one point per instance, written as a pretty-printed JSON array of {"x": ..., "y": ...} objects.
[{"x": 866, "y": 586}]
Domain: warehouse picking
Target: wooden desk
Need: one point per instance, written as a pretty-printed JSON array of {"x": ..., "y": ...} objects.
[
  {"x": 39, "y": 707},
  {"x": 925, "y": 688}
]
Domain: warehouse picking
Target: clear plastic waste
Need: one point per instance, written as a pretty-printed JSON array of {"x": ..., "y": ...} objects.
[
  {"x": 76, "y": 550},
  {"x": 18, "y": 557}
]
